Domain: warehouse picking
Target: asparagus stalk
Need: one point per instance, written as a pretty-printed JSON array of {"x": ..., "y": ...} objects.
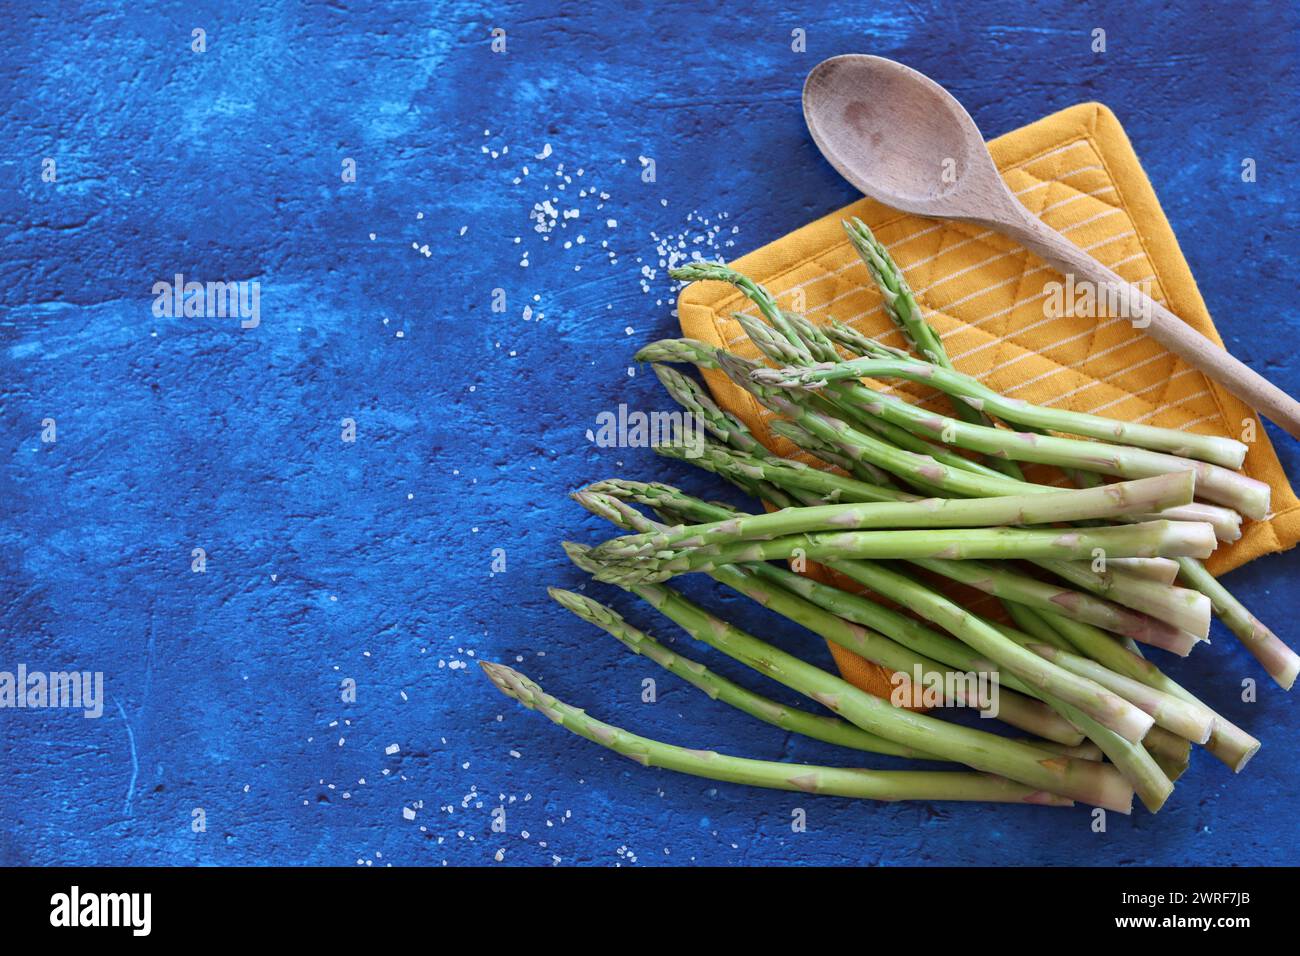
[
  {"x": 1139, "y": 766},
  {"x": 745, "y": 469},
  {"x": 1106, "y": 501},
  {"x": 663, "y": 498},
  {"x": 832, "y": 456},
  {"x": 918, "y": 470},
  {"x": 1281, "y": 663},
  {"x": 903, "y": 629},
  {"x": 1152, "y": 773},
  {"x": 1133, "y": 761},
  {"x": 716, "y": 271},
  {"x": 706, "y": 356},
  {"x": 1083, "y": 751},
  {"x": 1164, "y": 570},
  {"x": 900, "y": 304},
  {"x": 870, "y": 645},
  {"x": 819, "y": 345},
  {"x": 784, "y": 344},
  {"x": 1155, "y": 538},
  {"x": 862, "y": 611},
  {"x": 1012, "y": 708},
  {"x": 921, "y": 471},
  {"x": 830, "y": 429},
  {"x": 679, "y": 352},
  {"x": 1096, "y": 784},
  {"x": 732, "y": 431},
  {"x": 863, "y": 346},
  {"x": 1153, "y": 786},
  {"x": 723, "y": 424},
  {"x": 909, "y": 632},
  {"x": 735, "y": 435},
  {"x": 1228, "y": 742},
  {"x": 1172, "y": 766},
  {"x": 1213, "y": 482},
  {"x": 831, "y": 730},
  {"x": 1184, "y": 609},
  {"x": 772, "y": 344},
  {"x": 1034, "y": 624},
  {"x": 1192, "y": 721},
  {"x": 675, "y": 504},
  {"x": 888, "y": 785},
  {"x": 1010, "y": 585},
  {"x": 826, "y": 428},
  {"x": 1223, "y": 452},
  {"x": 1217, "y": 483},
  {"x": 1227, "y": 523}
]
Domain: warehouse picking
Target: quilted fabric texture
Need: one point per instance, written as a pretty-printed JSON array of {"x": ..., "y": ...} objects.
[{"x": 989, "y": 300}]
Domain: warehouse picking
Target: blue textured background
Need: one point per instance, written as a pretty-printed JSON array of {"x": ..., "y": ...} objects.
[{"x": 372, "y": 560}]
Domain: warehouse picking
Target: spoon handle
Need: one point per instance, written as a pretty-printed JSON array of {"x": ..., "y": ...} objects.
[{"x": 1162, "y": 325}]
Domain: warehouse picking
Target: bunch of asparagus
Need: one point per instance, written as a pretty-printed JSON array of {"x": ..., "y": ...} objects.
[{"x": 1086, "y": 575}]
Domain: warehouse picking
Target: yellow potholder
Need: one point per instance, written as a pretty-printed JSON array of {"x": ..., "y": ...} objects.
[{"x": 985, "y": 295}]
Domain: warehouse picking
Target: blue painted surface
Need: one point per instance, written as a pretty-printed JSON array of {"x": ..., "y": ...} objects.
[{"x": 371, "y": 560}]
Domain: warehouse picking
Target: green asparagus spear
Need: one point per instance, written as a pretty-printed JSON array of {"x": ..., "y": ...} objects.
[
  {"x": 831, "y": 455},
  {"x": 1224, "y": 452},
  {"x": 1281, "y": 663},
  {"x": 1008, "y": 584},
  {"x": 1214, "y": 483},
  {"x": 1182, "y": 608},
  {"x": 887, "y": 785},
  {"x": 900, "y": 304},
  {"x": 1154, "y": 538},
  {"x": 1106, "y": 501}
]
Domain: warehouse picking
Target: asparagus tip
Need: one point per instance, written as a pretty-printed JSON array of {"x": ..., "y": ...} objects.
[
  {"x": 500, "y": 676},
  {"x": 591, "y": 611},
  {"x": 578, "y": 555},
  {"x": 569, "y": 599},
  {"x": 702, "y": 269}
]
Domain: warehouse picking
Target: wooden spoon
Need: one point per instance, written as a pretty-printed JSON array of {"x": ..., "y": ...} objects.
[{"x": 905, "y": 141}]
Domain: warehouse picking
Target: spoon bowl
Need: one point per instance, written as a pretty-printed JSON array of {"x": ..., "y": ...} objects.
[{"x": 896, "y": 135}]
